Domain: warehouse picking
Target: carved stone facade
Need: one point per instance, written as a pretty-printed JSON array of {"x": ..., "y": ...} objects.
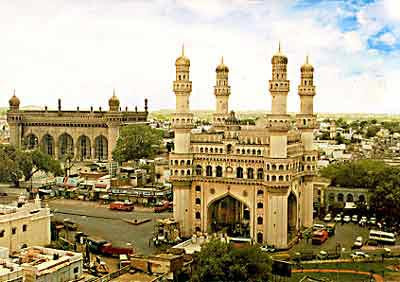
[
  {"x": 85, "y": 135},
  {"x": 248, "y": 181}
]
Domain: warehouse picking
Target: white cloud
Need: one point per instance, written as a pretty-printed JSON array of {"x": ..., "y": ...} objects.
[{"x": 387, "y": 38}]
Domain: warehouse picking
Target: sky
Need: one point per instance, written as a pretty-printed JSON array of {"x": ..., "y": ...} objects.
[{"x": 80, "y": 50}]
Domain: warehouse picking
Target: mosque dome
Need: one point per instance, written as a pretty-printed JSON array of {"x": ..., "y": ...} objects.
[
  {"x": 113, "y": 102},
  {"x": 182, "y": 60},
  {"x": 14, "y": 101},
  {"x": 306, "y": 67},
  {"x": 222, "y": 67},
  {"x": 279, "y": 57}
]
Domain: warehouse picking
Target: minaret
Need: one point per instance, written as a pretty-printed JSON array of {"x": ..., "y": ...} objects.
[
  {"x": 306, "y": 123},
  {"x": 182, "y": 120},
  {"x": 14, "y": 121},
  {"x": 279, "y": 120},
  {"x": 279, "y": 85},
  {"x": 306, "y": 120},
  {"x": 181, "y": 158},
  {"x": 222, "y": 91}
]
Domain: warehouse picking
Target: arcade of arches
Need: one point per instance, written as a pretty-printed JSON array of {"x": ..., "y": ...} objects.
[{"x": 81, "y": 148}]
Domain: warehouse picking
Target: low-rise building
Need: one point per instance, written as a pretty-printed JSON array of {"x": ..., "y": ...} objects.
[
  {"x": 50, "y": 265},
  {"x": 10, "y": 272},
  {"x": 24, "y": 224}
]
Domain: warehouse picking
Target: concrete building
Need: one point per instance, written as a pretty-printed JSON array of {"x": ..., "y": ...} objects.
[
  {"x": 10, "y": 272},
  {"x": 246, "y": 181},
  {"x": 86, "y": 135},
  {"x": 24, "y": 226},
  {"x": 50, "y": 265}
]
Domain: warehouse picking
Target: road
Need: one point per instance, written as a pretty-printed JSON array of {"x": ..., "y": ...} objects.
[{"x": 98, "y": 221}]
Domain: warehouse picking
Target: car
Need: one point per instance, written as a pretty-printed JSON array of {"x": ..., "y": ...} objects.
[
  {"x": 338, "y": 218},
  {"x": 359, "y": 255},
  {"x": 354, "y": 218},
  {"x": 346, "y": 218},
  {"x": 357, "y": 243},
  {"x": 328, "y": 217},
  {"x": 363, "y": 221},
  {"x": 372, "y": 221},
  {"x": 268, "y": 249},
  {"x": 317, "y": 226}
]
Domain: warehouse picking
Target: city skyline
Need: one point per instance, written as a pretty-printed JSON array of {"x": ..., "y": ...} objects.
[{"x": 80, "y": 51}]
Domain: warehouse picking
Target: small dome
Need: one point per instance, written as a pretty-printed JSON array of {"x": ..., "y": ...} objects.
[
  {"x": 182, "y": 60},
  {"x": 113, "y": 102},
  {"x": 307, "y": 67},
  {"x": 279, "y": 58},
  {"x": 14, "y": 101},
  {"x": 222, "y": 67}
]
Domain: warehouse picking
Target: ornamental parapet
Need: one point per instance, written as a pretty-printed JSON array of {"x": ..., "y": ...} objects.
[
  {"x": 182, "y": 120},
  {"x": 182, "y": 87},
  {"x": 306, "y": 90},
  {"x": 278, "y": 122},
  {"x": 304, "y": 121}
]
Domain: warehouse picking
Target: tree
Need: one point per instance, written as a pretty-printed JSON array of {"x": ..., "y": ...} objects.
[
  {"x": 15, "y": 164},
  {"x": 136, "y": 142},
  {"x": 372, "y": 131},
  {"x": 219, "y": 261}
]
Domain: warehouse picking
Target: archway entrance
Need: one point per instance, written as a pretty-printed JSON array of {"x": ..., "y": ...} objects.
[
  {"x": 229, "y": 215},
  {"x": 292, "y": 216}
]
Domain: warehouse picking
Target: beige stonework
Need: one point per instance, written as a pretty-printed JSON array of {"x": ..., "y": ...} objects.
[
  {"x": 86, "y": 135},
  {"x": 255, "y": 181}
]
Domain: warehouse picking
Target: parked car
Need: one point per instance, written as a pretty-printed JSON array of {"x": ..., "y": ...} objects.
[
  {"x": 319, "y": 237},
  {"x": 317, "y": 226},
  {"x": 338, "y": 218},
  {"x": 346, "y": 219},
  {"x": 328, "y": 217},
  {"x": 328, "y": 255},
  {"x": 372, "y": 221},
  {"x": 354, "y": 218},
  {"x": 268, "y": 249},
  {"x": 363, "y": 221},
  {"x": 359, "y": 254},
  {"x": 357, "y": 243},
  {"x": 330, "y": 227}
]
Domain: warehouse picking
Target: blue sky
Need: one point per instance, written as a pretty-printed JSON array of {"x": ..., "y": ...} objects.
[{"x": 80, "y": 50}]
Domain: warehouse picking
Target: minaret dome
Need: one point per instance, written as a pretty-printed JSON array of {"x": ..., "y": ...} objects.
[{"x": 279, "y": 57}]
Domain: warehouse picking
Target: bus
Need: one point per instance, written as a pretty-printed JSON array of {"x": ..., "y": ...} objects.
[{"x": 383, "y": 237}]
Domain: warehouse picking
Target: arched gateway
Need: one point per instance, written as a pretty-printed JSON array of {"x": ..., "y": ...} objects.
[{"x": 230, "y": 216}]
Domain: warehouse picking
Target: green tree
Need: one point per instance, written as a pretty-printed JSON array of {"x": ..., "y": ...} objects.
[
  {"x": 137, "y": 141},
  {"x": 219, "y": 261},
  {"x": 372, "y": 131}
]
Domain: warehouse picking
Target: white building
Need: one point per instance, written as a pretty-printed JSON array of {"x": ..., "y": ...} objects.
[
  {"x": 24, "y": 226},
  {"x": 50, "y": 265}
]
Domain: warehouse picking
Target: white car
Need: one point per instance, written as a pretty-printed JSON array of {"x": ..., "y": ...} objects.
[
  {"x": 338, "y": 218},
  {"x": 359, "y": 255},
  {"x": 354, "y": 218},
  {"x": 317, "y": 226},
  {"x": 372, "y": 221},
  {"x": 363, "y": 220},
  {"x": 328, "y": 217},
  {"x": 346, "y": 218},
  {"x": 358, "y": 243}
]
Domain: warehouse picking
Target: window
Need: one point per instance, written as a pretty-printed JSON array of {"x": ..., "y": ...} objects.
[
  {"x": 239, "y": 172},
  {"x": 198, "y": 201},
  {"x": 260, "y": 205},
  {"x": 259, "y": 238},
  {"x": 219, "y": 171},
  {"x": 250, "y": 173},
  {"x": 198, "y": 188},
  {"x": 197, "y": 215},
  {"x": 76, "y": 269},
  {"x": 260, "y": 192},
  {"x": 209, "y": 170},
  {"x": 199, "y": 170},
  {"x": 2, "y": 232},
  {"x": 259, "y": 220},
  {"x": 229, "y": 148},
  {"x": 260, "y": 173},
  {"x": 14, "y": 230},
  {"x": 24, "y": 227}
]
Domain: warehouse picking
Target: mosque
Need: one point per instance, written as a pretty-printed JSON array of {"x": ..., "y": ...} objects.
[{"x": 251, "y": 182}]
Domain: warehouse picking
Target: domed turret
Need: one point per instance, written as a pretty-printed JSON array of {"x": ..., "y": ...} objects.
[
  {"x": 222, "y": 67},
  {"x": 14, "y": 102},
  {"x": 279, "y": 58},
  {"x": 113, "y": 103},
  {"x": 182, "y": 60},
  {"x": 306, "y": 67}
]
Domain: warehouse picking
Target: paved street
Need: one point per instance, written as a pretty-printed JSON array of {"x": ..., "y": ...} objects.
[{"x": 113, "y": 228}]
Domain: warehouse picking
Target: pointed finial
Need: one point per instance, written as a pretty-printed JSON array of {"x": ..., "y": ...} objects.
[
  {"x": 307, "y": 59},
  {"x": 222, "y": 59},
  {"x": 279, "y": 46},
  {"x": 14, "y": 92},
  {"x": 113, "y": 92},
  {"x": 183, "y": 50}
]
